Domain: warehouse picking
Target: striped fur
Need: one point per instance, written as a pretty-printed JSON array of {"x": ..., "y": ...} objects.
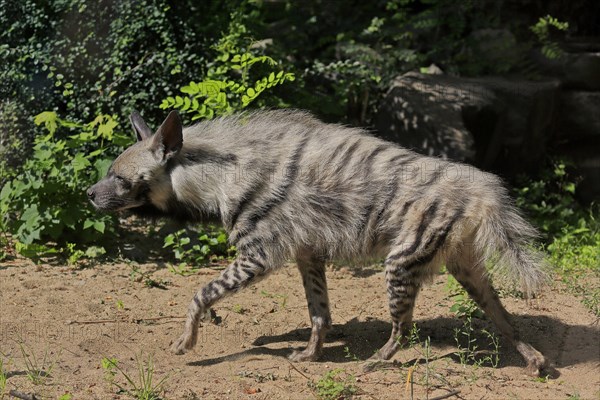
[{"x": 287, "y": 186}]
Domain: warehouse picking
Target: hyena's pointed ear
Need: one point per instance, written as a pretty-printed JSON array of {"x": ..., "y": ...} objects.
[
  {"x": 142, "y": 131},
  {"x": 169, "y": 137}
]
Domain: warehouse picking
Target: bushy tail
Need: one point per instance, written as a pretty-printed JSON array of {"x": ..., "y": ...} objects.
[{"x": 508, "y": 240}]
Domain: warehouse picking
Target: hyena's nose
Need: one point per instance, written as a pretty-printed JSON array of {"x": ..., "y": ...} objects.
[{"x": 91, "y": 194}]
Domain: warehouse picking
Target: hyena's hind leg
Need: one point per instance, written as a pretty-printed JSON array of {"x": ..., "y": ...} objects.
[
  {"x": 315, "y": 286},
  {"x": 471, "y": 273},
  {"x": 404, "y": 275},
  {"x": 242, "y": 272}
]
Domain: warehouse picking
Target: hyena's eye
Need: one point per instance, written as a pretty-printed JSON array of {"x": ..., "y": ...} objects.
[{"x": 123, "y": 182}]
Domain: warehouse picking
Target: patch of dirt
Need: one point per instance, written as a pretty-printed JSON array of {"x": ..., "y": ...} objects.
[{"x": 77, "y": 317}]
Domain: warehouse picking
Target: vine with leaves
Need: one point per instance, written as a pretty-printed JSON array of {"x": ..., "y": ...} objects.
[{"x": 230, "y": 84}]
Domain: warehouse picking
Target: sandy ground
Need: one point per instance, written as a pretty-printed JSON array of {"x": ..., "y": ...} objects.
[{"x": 75, "y": 317}]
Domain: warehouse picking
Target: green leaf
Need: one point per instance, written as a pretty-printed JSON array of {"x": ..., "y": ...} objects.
[
  {"x": 99, "y": 226},
  {"x": 169, "y": 240},
  {"x": 187, "y": 103},
  {"x": 6, "y": 191},
  {"x": 102, "y": 166},
  {"x": 106, "y": 129},
  {"x": 49, "y": 119},
  {"x": 79, "y": 162}
]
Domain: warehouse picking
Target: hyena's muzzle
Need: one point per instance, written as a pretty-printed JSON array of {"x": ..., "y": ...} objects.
[
  {"x": 103, "y": 196},
  {"x": 115, "y": 193}
]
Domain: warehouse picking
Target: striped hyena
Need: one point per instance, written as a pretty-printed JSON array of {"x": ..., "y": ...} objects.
[{"x": 287, "y": 186}]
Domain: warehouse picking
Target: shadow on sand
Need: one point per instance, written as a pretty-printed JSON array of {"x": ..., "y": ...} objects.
[{"x": 562, "y": 344}]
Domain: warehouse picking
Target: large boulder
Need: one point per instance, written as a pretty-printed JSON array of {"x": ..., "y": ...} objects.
[
  {"x": 579, "y": 139},
  {"x": 575, "y": 69},
  {"x": 579, "y": 116},
  {"x": 498, "y": 124}
]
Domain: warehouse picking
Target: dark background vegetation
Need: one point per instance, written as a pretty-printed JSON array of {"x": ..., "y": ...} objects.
[{"x": 82, "y": 58}]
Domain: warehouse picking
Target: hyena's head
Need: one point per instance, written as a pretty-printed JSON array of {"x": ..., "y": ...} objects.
[{"x": 140, "y": 172}]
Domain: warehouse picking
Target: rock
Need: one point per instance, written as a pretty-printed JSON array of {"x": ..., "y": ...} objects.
[
  {"x": 432, "y": 70},
  {"x": 574, "y": 70},
  {"x": 424, "y": 113},
  {"x": 586, "y": 159},
  {"x": 579, "y": 115},
  {"x": 492, "y": 122},
  {"x": 579, "y": 134}
]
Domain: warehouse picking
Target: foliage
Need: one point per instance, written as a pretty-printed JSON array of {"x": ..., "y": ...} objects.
[
  {"x": 46, "y": 199},
  {"x": 469, "y": 353},
  {"x": 83, "y": 58},
  {"x": 576, "y": 257},
  {"x": 37, "y": 370},
  {"x": 228, "y": 85},
  {"x": 3, "y": 377},
  {"x": 143, "y": 387},
  {"x": 570, "y": 231},
  {"x": 541, "y": 29},
  {"x": 334, "y": 385},
  {"x": 463, "y": 306},
  {"x": 550, "y": 200},
  {"x": 210, "y": 246}
]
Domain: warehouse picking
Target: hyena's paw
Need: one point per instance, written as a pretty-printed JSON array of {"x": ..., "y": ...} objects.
[
  {"x": 537, "y": 366},
  {"x": 536, "y": 363},
  {"x": 183, "y": 344},
  {"x": 304, "y": 355}
]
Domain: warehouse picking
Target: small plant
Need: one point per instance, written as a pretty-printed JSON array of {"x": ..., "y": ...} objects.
[
  {"x": 471, "y": 354},
  {"x": 211, "y": 246},
  {"x": 74, "y": 255},
  {"x": 335, "y": 385},
  {"x": 143, "y": 388},
  {"x": 137, "y": 275},
  {"x": 37, "y": 370},
  {"x": 3, "y": 378},
  {"x": 413, "y": 341},
  {"x": 463, "y": 306},
  {"x": 4, "y": 245},
  {"x": 349, "y": 355},
  {"x": 120, "y": 305},
  {"x": 541, "y": 29},
  {"x": 239, "y": 309},
  {"x": 282, "y": 297}
]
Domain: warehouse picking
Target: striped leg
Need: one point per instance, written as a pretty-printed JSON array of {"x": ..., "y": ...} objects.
[
  {"x": 472, "y": 276},
  {"x": 242, "y": 272},
  {"x": 403, "y": 279},
  {"x": 315, "y": 287}
]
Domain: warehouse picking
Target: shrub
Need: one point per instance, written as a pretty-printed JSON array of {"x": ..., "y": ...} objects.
[{"x": 46, "y": 199}]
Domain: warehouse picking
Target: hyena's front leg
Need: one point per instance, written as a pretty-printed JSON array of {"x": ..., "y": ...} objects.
[
  {"x": 315, "y": 287},
  {"x": 242, "y": 272}
]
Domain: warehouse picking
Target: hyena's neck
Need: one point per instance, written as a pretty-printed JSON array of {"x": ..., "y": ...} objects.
[{"x": 195, "y": 190}]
